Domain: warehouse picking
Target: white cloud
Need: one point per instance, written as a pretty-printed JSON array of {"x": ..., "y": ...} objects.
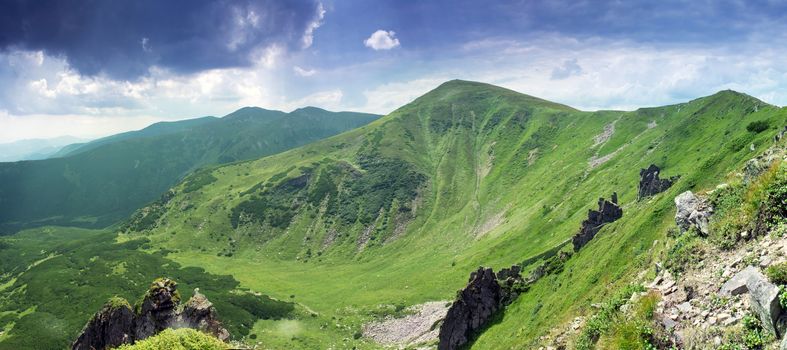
[
  {"x": 331, "y": 99},
  {"x": 382, "y": 40},
  {"x": 303, "y": 72},
  {"x": 308, "y": 35},
  {"x": 145, "y": 44},
  {"x": 384, "y": 99}
]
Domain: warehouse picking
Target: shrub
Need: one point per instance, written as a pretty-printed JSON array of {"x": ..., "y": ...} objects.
[
  {"x": 777, "y": 273},
  {"x": 757, "y": 126},
  {"x": 782, "y": 297},
  {"x": 687, "y": 249},
  {"x": 178, "y": 339}
]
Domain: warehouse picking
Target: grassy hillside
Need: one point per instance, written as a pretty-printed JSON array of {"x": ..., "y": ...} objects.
[
  {"x": 103, "y": 181},
  {"x": 399, "y": 211}
]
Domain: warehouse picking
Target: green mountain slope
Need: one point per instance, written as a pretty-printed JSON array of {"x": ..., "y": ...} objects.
[
  {"x": 398, "y": 212},
  {"x": 103, "y": 181},
  {"x": 401, "y": 210},
  {"x": 157, "y": 129}
]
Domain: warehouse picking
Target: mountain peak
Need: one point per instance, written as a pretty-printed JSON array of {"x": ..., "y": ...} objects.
[{"x": 464, "y": 89}]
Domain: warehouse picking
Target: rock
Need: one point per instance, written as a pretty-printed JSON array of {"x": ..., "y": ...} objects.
[
  {"x": 650, "y": 183},
  {"x": 512, "y": 284},
  {"x": 608, "y": 211},
  {"x": 765, "y": 262},
  {"x": 158, "y": 308},
  {"x": 764, "y": 301},
  {"x": 109, "y": 328},
  {"x": 737, "y": 284},
  {"x": 684, "y": 307},
  {"x": 199, "y": 313},
  {"x": 474, "y": 307},
  {"x": 117, "y": 324},
  {"x": 692, "y": 211}
]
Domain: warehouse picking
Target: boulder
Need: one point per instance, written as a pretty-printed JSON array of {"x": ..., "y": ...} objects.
[
  {"x": 737, "y": 284},
  {"x": 199, "y": 313},
  {"x": 692, "y": 211},
  {"x": 608, "y": 211},
  {"x": 108, "y": 328},
  {"x": 475, "y": 305},
  {"x": 650, "y": 183},
  {"x": 764, "y": 301}
]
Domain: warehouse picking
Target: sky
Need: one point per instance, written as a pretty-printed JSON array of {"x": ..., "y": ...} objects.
[{"x": 92, "y": 68}]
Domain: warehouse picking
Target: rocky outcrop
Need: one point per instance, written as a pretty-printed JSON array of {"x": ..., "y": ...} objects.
[
  {"x": 692, "y": 211},
  {"x": 474, "y": 307},
  {"x": 199, "y": 313},
  {"x": 764, "y": 301},
  {"x": 160, "y": 309},
  {"x": 109, "y": 328},
  {"x": 608, "y": 211},
  {"x": 756, "y": 166},
  {"x": 650, "y": 183}
]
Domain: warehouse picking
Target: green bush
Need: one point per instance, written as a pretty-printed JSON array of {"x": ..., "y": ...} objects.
[
  {"x": 757, "y": 126},
  {"x": 777, "y": 273},
  {"x": 178, "y": 339},
  {"x": 687, "y": 249}
]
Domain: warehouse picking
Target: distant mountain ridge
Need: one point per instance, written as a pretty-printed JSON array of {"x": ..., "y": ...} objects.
[
  {"x": 94, "y": 184},
  {"x": 32, "y": 149},
  {"x": 156, "y": 129}
]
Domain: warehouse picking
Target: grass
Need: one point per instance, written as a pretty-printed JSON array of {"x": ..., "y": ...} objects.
[{"x": 506, "y": 179}]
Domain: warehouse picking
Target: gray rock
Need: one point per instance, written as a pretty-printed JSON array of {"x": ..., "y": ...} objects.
[
  {"x": 650, "y": 183},
  {"x": 608, "y": 211},
  {"x": 764, "y": 301},
  {"x": 737, "y": 284},
  {"x": 692, "y": 211},
  {"x": 474, "y": 307},
  {"x": 109, "y": 328}
]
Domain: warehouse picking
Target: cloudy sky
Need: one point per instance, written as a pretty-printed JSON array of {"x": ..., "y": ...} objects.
[{"x": 91, "y": 68}]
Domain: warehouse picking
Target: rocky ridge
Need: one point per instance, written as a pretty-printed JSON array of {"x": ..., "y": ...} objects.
[{"x": 608, "y": 211}]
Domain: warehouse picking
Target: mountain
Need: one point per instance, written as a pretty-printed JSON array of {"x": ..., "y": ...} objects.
[
  {"x": 157, "y": 129},
  {"x": 97, "y": 183},
  {"x": 370, "y": 233},
  {"x": 34, "y": 148}
]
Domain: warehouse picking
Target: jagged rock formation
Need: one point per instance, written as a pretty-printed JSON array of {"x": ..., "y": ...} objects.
[
  {"x": 109, "y": 328},
  {"x": 650, "y": 183},
  {"x": 117, "y": 324},
  {"x": 474, "y": 307},
  {"x": 764, "y": 301},
  {"x": 692, "y": 211},
  {"x": 608, "y": 211}
]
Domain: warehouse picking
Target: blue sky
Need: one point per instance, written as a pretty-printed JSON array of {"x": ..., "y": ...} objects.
[{"x": 91, "y": 68}]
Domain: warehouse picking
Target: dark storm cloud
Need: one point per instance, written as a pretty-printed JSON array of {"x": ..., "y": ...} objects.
[{"x": 124, "y": 38}]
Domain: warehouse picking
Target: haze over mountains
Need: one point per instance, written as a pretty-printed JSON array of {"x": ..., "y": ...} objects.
[
  {"x": 97, "y": 183},
  {"x": 308, "y": 247},
  {"x": 35, "y": 148}
]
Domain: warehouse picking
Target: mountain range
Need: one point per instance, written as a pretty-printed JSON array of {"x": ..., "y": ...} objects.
[
  {"x": 97, "y": 183},
  {"x": 308, "y": 229}
]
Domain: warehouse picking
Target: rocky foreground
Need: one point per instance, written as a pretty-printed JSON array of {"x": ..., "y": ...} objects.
[{"x": 117, "y": 323}]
